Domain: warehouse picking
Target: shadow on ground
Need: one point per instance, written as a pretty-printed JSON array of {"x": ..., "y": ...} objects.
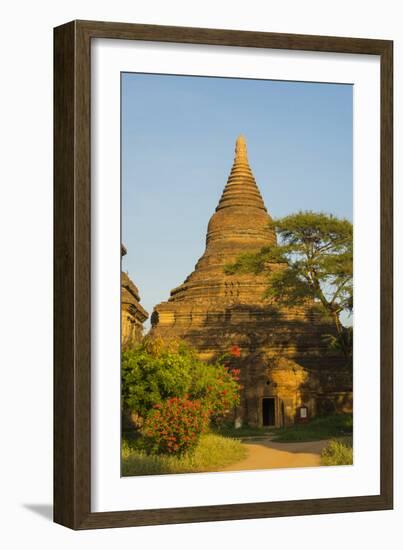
[
  {"x": 294, "y": 447},
  {"x": 44, "y": 510}
]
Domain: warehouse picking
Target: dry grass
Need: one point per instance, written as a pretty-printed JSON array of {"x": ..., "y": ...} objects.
[
  {"x": 338, "y": 452},
  {"x": 212, "y": 453}
]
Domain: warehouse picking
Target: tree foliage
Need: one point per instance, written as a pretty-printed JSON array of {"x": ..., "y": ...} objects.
[{"x": 313, "y": 261}]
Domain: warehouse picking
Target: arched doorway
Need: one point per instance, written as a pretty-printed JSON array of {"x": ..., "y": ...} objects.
[{"x": 269, "y": 411}]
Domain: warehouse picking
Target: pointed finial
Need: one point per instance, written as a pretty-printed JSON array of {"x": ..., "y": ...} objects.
[{"x": 241, "y": 153}]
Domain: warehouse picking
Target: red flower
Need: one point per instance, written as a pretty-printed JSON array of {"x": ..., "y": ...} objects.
[{"x": 235, "y": 351}]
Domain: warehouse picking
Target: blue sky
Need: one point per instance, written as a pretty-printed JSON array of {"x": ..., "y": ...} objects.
[{"x": 178, "y": 139}]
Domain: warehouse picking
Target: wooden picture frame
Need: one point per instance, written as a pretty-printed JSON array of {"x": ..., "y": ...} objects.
[{"x": 72, "y": 272}]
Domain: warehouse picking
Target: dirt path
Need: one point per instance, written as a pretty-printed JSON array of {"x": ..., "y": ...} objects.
[{"x": 265, "y": 454}]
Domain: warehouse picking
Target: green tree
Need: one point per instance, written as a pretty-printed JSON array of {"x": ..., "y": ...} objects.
[{"x": 313, "y": 260}]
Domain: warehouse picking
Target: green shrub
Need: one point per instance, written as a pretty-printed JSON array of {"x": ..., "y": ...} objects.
[
  {"x": 175, "y": 426},
  {"x": 152, "y": 373},
  {"x": 338, "y": 453}
]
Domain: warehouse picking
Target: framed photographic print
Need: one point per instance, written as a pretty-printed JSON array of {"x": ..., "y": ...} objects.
[{"x": 223, "y": 275}]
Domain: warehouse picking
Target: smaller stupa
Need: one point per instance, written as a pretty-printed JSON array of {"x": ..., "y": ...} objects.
[{"x": 133, "y": 315}]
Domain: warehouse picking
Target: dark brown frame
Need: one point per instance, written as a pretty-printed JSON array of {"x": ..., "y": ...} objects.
[{"x": 72, "y": 319}]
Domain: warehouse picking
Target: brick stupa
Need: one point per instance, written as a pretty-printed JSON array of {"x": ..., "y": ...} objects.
[
  {"x": 133, "y": 314},
  {"x": 284, "y": 357}
]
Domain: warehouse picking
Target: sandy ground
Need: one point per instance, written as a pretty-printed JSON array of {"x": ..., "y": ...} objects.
[{"x": 264, "y": 454}]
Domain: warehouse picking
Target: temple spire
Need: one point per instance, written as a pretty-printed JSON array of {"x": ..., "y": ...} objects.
[
  {"x": 241, "y": 152},
  {"x": 241, "y": 189}
]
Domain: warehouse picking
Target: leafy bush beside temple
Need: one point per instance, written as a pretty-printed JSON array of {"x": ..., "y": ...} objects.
[{"x": 173, "y": 395}]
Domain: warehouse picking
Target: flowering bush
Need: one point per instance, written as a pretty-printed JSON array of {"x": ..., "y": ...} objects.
[
  {"x": 170, "y": 395},
  {"x": 218, "y": 388},
  {"x": 175, "y": 426},
  {"x": 156, "y": 371}
]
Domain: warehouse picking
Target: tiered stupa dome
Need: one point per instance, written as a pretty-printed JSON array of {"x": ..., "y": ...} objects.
[
  {"x": 240, "y": 224},
  {"x": 209, "y": 297}
]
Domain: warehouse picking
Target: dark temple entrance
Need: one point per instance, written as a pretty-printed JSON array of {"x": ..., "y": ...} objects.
[{"x": 268, "y": 409}]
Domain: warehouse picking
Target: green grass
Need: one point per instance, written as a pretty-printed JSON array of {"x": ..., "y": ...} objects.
[
  {"x": 212, "y": 452},
  {"x": 338, "y": 452},
  {"x": 244, "y": 431},
  {"x": 323, "y": 427}
]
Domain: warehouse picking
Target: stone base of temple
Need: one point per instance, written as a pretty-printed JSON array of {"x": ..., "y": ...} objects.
[
  {"x": 284, "y": 412},
  {"x": 283, "y": 367},
  {"x": 285, "y": 363},
  {"x": 278, "y": 391}
]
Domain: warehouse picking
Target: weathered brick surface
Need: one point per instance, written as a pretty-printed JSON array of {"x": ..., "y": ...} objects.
[{"x": 133, "y": 314}]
